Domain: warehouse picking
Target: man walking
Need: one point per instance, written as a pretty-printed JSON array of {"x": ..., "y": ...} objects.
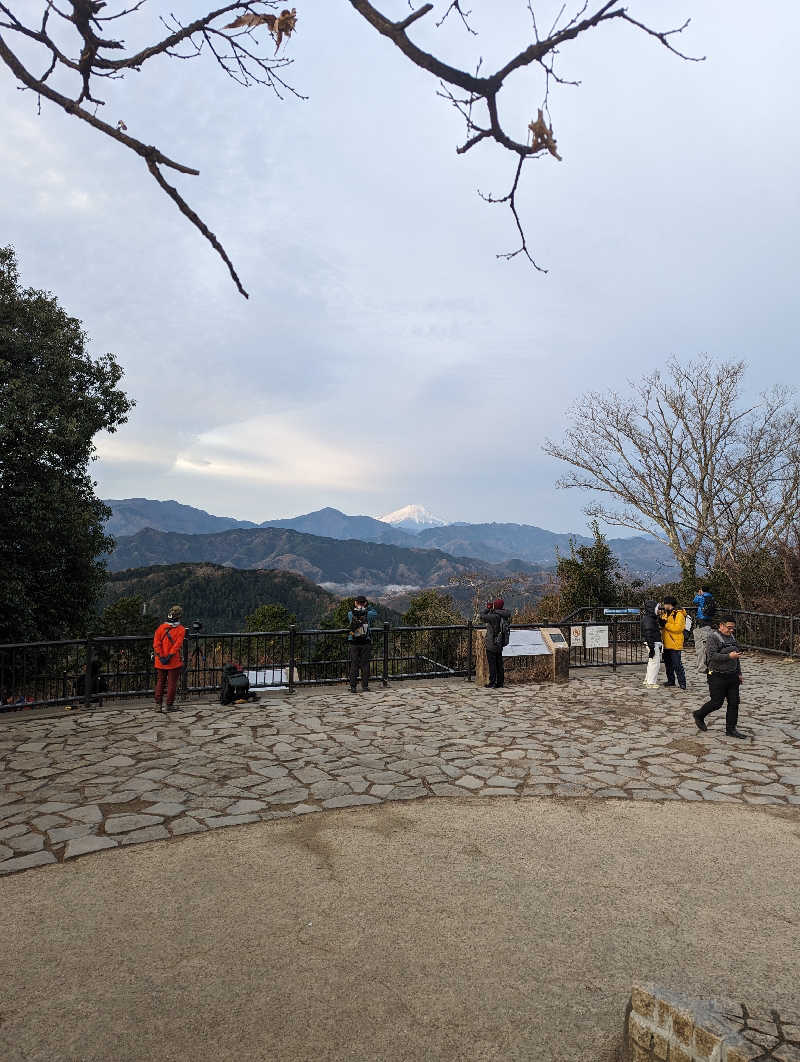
[
  {"x": 724, "y": 677},
  {"x": 359, "y": 641}
]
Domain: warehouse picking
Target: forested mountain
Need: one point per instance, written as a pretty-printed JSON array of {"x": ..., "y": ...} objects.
[
  {"x": 219, "y": 597},
  {"x": 324, "y": 560},
  {"x": 130, "y": 515},
  {"x": 500, "y": 543}
]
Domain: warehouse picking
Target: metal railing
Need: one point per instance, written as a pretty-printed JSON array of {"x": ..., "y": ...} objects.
[
  {"x": 98, "y": 668},
  {"x": 89, "y": 670}
]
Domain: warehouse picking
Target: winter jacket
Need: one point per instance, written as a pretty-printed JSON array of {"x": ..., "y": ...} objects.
[
  {"x": 651, "y": 629},
  {"x": 361, "y": 635},
  {"x": 168, "y": 645},
  {"x": 705, "y": 605},
  {"x": 673, "y": 628},
  {"x": 492, "y": 617},
  {"x": 718, "y": 648}
]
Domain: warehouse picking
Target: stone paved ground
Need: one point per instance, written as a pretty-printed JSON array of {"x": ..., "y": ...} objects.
[{"x": 81, "y": 782}]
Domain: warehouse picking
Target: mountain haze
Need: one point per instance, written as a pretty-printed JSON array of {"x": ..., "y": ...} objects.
[{"x": 323, "y": 560}]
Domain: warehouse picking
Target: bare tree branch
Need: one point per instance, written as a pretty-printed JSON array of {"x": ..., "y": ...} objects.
[{"x": 235, "y": 36}]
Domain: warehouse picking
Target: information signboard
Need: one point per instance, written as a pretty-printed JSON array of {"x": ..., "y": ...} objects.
[
  {"x": 576, "y": 636},
  {"x": 597, "y": 637},
  {"x": 526, "y": 643}
]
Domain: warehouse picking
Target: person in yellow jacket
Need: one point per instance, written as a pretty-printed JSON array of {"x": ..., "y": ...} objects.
[{"x": 672, "y": 621}]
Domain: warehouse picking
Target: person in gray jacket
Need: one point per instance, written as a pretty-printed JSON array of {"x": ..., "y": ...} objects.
[
  {"x": 724, "y": 677},
  {"x": 492, "y": 616}
]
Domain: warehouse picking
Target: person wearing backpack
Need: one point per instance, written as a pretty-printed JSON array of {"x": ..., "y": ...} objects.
[
  {"x": 359, "y": 641},
  {"x": 168, "y": 657},
  {"x": 672, "y": 621},
  {"x": 498, "y": 631},
  {"x": 706, "y": 610}
]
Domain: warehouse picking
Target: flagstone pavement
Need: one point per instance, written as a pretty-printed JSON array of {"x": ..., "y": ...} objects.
[{"x": 79, "y": 782}]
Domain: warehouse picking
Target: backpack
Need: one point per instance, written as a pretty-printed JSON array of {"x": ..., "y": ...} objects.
[
  {"x": 710, "y": 609},
  {"x": 235, "y": 685},
  {"x": 503, "y": 636}
]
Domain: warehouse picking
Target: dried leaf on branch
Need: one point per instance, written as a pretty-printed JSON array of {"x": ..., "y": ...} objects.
[
  {"x": 542, "y": 136},
  {"x": 280, "y": 26}
]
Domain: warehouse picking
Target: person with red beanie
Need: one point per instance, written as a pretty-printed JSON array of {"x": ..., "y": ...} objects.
[
  {"x": 493, "y": 615},
  {"x": 168, "y": 656}
]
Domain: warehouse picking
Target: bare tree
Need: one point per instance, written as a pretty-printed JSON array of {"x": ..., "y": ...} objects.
[
  {"x": 60, "y": 51},
  {"x": 690, "y": 463}
]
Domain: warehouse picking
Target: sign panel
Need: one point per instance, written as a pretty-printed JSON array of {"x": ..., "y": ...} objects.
[
  {"x": 526, "y": 643},
  {"x": 576, "y": 636},
  {"x": 597, "y": 637}
]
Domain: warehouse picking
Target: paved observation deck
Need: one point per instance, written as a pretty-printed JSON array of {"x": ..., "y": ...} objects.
[{"x": 78, "y": 782}]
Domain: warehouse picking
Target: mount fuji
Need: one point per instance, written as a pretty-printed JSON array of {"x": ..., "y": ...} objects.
[{"x": 413, "y": 518}]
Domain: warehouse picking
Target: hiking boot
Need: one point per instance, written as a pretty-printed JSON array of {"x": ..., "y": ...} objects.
[
  {"x": 489, "y": 686},
  {"x": 701, "y": 723},
  {"x": 735, "y": 733},
  {"x": 669, "y": 685}
]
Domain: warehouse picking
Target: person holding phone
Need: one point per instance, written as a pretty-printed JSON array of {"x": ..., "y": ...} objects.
[
  {"x": 673, "y": 626},
  {"x": 723, "y": 654}
]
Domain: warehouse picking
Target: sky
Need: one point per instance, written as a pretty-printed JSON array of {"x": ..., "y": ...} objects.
[{"x": 386, "y": 356}]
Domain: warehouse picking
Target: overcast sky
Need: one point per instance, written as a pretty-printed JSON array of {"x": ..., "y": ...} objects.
[{"x": 385, "y": 355}]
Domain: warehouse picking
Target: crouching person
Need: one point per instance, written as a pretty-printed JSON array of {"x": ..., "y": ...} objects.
[
  {"x": 359, "y": 641},
  {"x": 168, "y": 644}
]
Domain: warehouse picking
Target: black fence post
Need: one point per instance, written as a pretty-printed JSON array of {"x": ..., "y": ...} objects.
[
  {"x": 614, "y": 629},
  {"x": 87, "y": 690},
  {"x": 791, "y": 636},
  {"x": 292, "y": 653},
  {"x": 385, "y": 653},
  {"x": 469, "y": 650}
]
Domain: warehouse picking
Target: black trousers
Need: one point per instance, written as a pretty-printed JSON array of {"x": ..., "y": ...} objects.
[
  {"x": 495, "y": 662},
  {"x": 722, "y": 687},
  {"x": 360, "y": 655}
]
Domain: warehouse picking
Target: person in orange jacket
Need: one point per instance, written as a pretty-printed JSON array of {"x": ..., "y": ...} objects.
[
  {"x": 673, "y": 625},
  {"x": 168, "y": 656}
]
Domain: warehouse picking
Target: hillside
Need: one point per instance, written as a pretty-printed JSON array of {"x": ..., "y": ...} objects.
[
  {"x": 130, "y": 515},
  {"x": 499, "y": 543},
  {"x": 340, "y": 563},
  {"x": 217, "y": 596}
]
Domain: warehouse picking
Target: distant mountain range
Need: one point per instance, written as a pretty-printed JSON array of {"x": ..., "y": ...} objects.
[
  {"x": 343, "y": 565},
  {"x": 491, "y": 543}
]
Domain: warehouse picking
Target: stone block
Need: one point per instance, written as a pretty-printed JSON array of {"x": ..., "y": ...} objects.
[
  {"x": 25, "y": 862},
  {"x": 92, "y": 843},
  {"x": 639, "y": 1032},
  {"x": 705, "y": 1043},
  {"x": 29, "y": 842},
  {"x": 126, "y": 823},
  {"x": 642, "y": 1002},
  {"x": 150, "y": 833},
  {"x": 661, "y": 1047},
  {"x": 682, "y": 1026},
  {"x": 677, "y": 1054}
]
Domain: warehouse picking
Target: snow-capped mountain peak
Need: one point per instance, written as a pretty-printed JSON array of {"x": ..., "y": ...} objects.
[{"x": 412, "y": 518}]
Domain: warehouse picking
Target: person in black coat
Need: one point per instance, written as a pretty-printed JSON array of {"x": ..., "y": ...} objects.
[
  {"x": 651, "y": 633},
  {"x": 492, "y": 615}
]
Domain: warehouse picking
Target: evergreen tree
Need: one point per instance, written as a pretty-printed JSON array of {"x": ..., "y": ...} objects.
[
  {"x": 54, "y": 399},
  {"x": 270, "y": 618}
]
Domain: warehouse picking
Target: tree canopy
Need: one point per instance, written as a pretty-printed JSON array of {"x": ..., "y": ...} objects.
[
  {"x": 686, "y": 457},
  {"x": 54, "y": 399},
  {"x": 64, "y": 54}
]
